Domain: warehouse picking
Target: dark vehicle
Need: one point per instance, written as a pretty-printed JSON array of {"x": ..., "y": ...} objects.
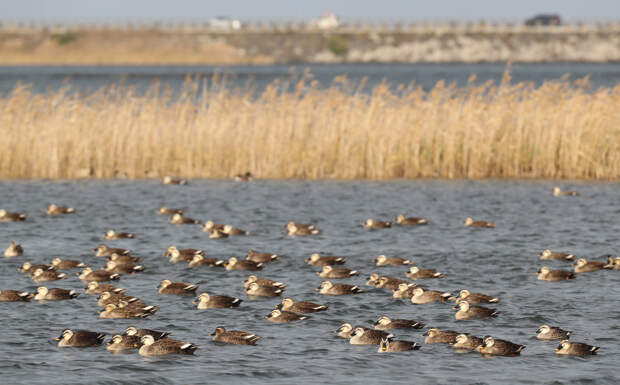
[{"x": 544, "y": 19}]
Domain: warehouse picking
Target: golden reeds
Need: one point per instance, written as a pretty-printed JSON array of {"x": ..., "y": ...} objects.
[{"x": 479, "y": 131}]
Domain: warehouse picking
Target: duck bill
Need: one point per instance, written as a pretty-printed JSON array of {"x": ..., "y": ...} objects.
[{"x": 213, "y": 333}]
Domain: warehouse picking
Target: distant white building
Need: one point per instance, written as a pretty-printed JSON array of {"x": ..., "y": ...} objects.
[
  {"x": 224, "y": 23},
  {"x": 327, "y": 21}
]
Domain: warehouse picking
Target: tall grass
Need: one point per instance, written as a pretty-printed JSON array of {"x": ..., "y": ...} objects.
[{"x": 556, "y": 130}]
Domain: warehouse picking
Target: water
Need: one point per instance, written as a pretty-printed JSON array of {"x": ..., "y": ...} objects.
[
  {"x": 500, "y": 262},
  {"x": 89, "y": 78}
]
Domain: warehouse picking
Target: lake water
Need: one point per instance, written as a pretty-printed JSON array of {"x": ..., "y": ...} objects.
[
  {"x": 500, "y": 262},
  {"x": 83, "y": 78}
]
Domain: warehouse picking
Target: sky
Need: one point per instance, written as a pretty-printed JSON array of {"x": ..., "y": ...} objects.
[{"x": 298, "y": 10}]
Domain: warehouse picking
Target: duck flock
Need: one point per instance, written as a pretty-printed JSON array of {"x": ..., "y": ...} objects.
[{"x": 411, "y": 288}]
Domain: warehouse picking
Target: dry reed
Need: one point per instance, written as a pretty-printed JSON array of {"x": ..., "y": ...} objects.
[{"x": 556, "y": 130}]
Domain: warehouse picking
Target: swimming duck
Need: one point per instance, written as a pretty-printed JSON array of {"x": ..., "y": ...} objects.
[
  {"x": 263, "y": 282},
  {"x": 123, "y": 310},
  {"x": 557, "y": 192},
  {"x": 373, "y": 279},
  {"x": 14, "y": 250},
  {"x": 79, "y": 338},
  {"x": 405, "y": 290},
  {"x": 206, "y": 301},
  {"x": 108, "y": 297},
  {"x": 584, "y": 266},
  {"x": 157, "y": 335},
  {"x": 235, "y": 337},
  {"x": 256, "y": 290},
  {"x": 421, "y": 296},
  {"x": 261, "y": 257},
  {"x": 111, "y": 234},
  {"x": 27, "y": 267},
  {"x": 389, "y": 346},
  {"x": 410, "y": 221},
  {"x": 88, "y": 275},
  {"x": 177, "y": 256},
  {"x": 316, "y": 260},
  {"x": 242, "y": 264},
  {"x": 122, "y": 342},
  {"x": 497, "y": 347},
  {"x": 467, "y": 311},
  {"x": 247, "y": 177},
  {"x": 67, "y": 264},
  {"x": 15, "y": 296},
  {"x": 471, "y": 223},
  {"x": 105, "y": 251},
  {"x": 54, "y": 294},
  {"x": 545, "y": 274},
  {"x": 576, "y": 348},
  {"x": 389, "y": 283},
  {"x": 170, "y": 180},
  {"x": 328, "y": 288},
  {"x": 547, "y": 254},
  {"x": 152, "y": 347},
  {"x": 382, "y": 260},
  {"x": 41, "y": 275},
  {"x": 465, "y": 342},
  {"x": 296, "y": 230},
  {"x": 300, "y": 307},
  {"x": 230, "y": 230},
  {"x": 612, "y": 263},
  {"x": 345, "y": 330},
  {"x": 177, "y": 219},
  {"x": 199, "y": 260},
  {"x": 123, "y": 259},
  {"x": 436, "y": 336},
  {"x": 417, "y": 273},
  {"x": 338, "y": 272},
  {"x": 385, "y": 323},
  {"x": 363, "y": 336},
  {"x": 372, "y": 224},
  {"x": 215, "y": 234},
  {"x": 123, "y": 268},
  {"x": 94, "y": 287},
  {"x": 58, "y": 210},
  {"x": 163, "y": 210},
  {"x": 210, "y": 226},
  {"x": 298, "y": 226},
  {"x": 280, "y": 316},
  {"x": 546, "y": 332},
  {"x": 11, "y": 217},
  {"x": 189, "y": 253},
  {"x": 177, "y": 288},
  {"x": 475, "y": 297}
]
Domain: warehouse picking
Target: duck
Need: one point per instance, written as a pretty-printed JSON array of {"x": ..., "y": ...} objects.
[
  {"x": 41, "y": 275},
  {"x": 338, "y": 272},
  {"x": 382, "y": 260},
  {"x": 199, "y": 260},
  {"x": 170, "y": 180},
  {"x": 496, "y": 347},
  {"x": 372, "y": 224},
  {"x": 111, "y": 234},
  {"x": 421, "y": 296},
  {"x": 107, "y": 297},
  {"x": 60, "y": 264},
  {"x": 123, "y": 258},
  {"x": 163, "y": 210},
  {"x": 295, "y": 229},
  {"x": 133, "y": 331},
  {"x": 467, "y": 311},
  {"x": 613, "y": 264},
  {"x": 405, "y": 290},
  {"x": 95, "y": 287},
  {"x": 120, "y": 342},
  {"x": 178, "y": 256},
  {"x": 388, "y": 345},
  {"x": 328, "y": 288},
  {"x": 576, "y": 349},
  {"x": 256, "y": 290},
  {"x": 206, "y": 301},
  {"x": 178, "y": 288},
  {"x": 345, "y": 330},
  {"x": 373, "y": 279},
  {"x": 88, "y": 275},
  {"x": 54, "y": 294},
  {"x": 15, "y": 296},
  {"x": 475, "y": 297},
  {"x": 436, "y": 336},
  {"x": 210, "y": 226},
  {"x": 546, "y": 274},
  {"x": 178, "y": 219},
  {"x": 11, "y": 217},
  {"x": 182, "y": 252},
  {"x": 79, "y": 338},
  {"x": 410, "y": 221},
  {"x": 300, "y": 307},
  {"x": 546, "y": 332},
  {"x": 152, "y": 347},
  {"x": 316, "y": 260},
  {"x": 123, "y": 268},
  {"x": 363, "y": 336},
  {"x": 235, "y": 337},
  {"x": 58, "y": 210},
  {"x": 14, "y": 250},
  {"x": 263, "y": 282},
  {"x": 389, "y": 283},
  {"x": 471, "y": 223},
  {"x": 215, "y": 234},
  {"x": 280, "y": 316},
  {"x": 385, "y": 323},
  {"x": 558, "y": 192},
  {"x": 417, "y": 273},
  {"x": 230, "y": 230},
  {"x": 242, "y": 264},
  {"x": 105, "y": 251},
  {"x": 584, "y": 266},
  {"x": 261, "y": 257},
  {"x": 246, "y": 177},
  {"x": 547, "y": 254},
  {"x": 122, "y": 310},
  {"x": 27, "y": 267},
  {"x": 465, "y": 342}
]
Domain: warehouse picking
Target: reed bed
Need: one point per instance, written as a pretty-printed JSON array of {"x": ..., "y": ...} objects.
[{"x": 556, "y": 130}]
